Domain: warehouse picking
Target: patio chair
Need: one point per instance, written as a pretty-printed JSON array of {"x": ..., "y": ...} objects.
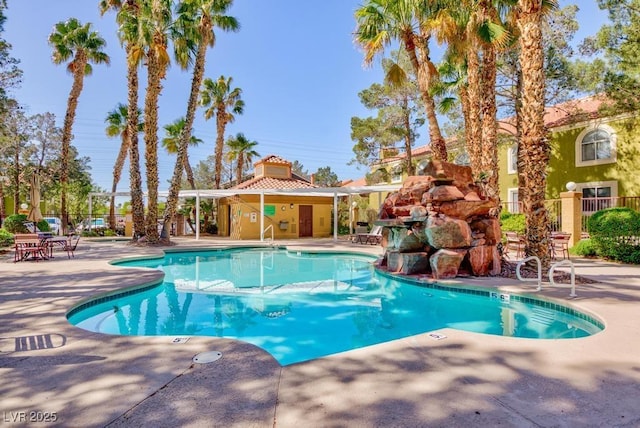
[
  {"x": 70, "y": 245},
  {"x": 515, "y": 243},
  {"x": 559, "y": 245}
]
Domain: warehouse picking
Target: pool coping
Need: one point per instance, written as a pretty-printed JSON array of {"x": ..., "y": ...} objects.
[{"x": 407, "y": 382}]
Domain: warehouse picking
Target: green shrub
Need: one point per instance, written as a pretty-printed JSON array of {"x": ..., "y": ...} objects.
[
  {"x": 615, "y": 233},
  {"x": 585, "y": 248},
  {"x": 43, "y": 226},
  {"x": 15, "y": 223},
  {"x": 512, "y": 222},
  {"x": 6, "y": 238}
]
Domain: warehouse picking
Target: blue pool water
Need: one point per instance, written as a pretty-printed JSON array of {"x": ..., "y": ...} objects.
[{"x": 301, "y": 306}]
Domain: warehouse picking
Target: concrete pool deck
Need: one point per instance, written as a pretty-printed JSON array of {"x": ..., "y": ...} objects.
[{"x": 48, "y": 366}]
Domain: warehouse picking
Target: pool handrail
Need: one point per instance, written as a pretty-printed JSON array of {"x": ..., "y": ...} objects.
[
  {"x": 538, "y": 279},
  {"x": 265, "y": 230}
]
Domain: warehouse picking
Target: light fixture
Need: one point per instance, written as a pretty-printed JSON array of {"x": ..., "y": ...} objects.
[
  {"x": 571, "y": 186},
  {"x": 354, "y": 204},
  {"x": 283, "y": 208},
  {"x": 24, "y": 206},
  {"x": 291, "y": 206}
]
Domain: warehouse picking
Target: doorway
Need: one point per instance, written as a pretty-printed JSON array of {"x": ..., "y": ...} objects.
[{"x": 305, "y": 214}]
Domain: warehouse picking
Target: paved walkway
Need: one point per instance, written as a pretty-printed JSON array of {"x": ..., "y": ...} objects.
[{"x": 48, "y": 367}]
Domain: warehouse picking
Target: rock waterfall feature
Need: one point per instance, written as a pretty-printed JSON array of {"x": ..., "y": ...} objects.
[{"x": 441, "y": 224}]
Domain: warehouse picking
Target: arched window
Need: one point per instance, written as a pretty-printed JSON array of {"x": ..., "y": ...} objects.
[{"x": 596, "y": 146}]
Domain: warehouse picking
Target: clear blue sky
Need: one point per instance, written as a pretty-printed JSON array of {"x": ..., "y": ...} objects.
[{"x": 295, "y": 61}]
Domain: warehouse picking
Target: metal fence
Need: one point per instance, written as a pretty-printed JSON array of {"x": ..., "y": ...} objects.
[
  {"x": 589, "y": 206},
  {"x": 592, "y": 205}
]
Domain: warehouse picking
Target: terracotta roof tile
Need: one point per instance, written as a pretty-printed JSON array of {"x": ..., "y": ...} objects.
[
  {"x": 275, "y": 183},
  {"x": 273, "y": 159},
  {"x": 354, "y": 183}
]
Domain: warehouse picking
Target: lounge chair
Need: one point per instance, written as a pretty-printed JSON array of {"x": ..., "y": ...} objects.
[{"x": 374, "y": 237}]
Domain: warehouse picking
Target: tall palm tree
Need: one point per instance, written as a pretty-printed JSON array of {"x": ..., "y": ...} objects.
[
  {"x": 171, "y": 142},
  {"x": 127, "y": 18},
  {"x": 224, "y": 102},
  {"x": 77, "y": 46},
  {"x": 533, "y": 151},
  {"x": 242, "y": 151},
  {"x": 380, "y": 22},
  {"x": 196, "y": 22},
  {"x": 155, "y": 20},
  {"x": 117, "y": 126}
]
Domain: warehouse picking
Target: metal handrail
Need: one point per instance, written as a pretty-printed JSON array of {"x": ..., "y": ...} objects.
[
  {"x": 538, "y": 279},
  {"x": 265, "y": 230},
  {"x": 573, "y": 275}
]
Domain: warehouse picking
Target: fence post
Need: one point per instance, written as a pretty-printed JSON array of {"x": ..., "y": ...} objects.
[{"x": 572, "y": 215}]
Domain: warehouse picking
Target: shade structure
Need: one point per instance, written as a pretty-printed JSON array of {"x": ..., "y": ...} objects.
[{"x": 34, "y": 193}]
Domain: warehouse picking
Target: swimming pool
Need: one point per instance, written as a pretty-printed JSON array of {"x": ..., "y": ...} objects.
[{"x": 300, "y": 306}]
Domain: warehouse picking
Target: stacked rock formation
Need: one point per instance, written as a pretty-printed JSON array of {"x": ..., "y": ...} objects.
[{"x": 440, "y": 223}]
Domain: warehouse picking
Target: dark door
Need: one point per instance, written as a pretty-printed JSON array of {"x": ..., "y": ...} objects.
[{"x": 305, "y": 213}]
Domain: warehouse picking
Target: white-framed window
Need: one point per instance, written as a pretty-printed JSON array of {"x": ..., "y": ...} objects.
[
  {"x": 512, "y": 159},
  {"x": 396, "y": 174},
  {"x": 597, "y": 195},
  {"x": 422, "y": 165},
  {"x": 513, "y": 201},
  {"x": 596, "y": 145}
]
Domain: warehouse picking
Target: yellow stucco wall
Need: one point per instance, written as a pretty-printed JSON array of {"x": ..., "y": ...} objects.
[{"x": 245, "y": 216}]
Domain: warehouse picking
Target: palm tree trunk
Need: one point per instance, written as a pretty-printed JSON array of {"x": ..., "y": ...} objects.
[
  {"x": 135, "y": 176},
  {"x": 407, "y": 136},
  {"x": 474, "y": 143},
  {"x": 69, "y": 117},
  {"x": 117, "y": 173},
  {"x": 239, "y": 168},
  {"x": 489, "y": 140},
  {"x": 154, "y": 88},
  {"x": 220, "y": 125},
  {"x": 534, "y": 146},
  {"x": 182, "y": 159},
  {"x": 421, "y": 68}
]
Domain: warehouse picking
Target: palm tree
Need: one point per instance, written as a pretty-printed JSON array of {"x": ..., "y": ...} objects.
[
  {"x": 80, "y": 46},
  {"x": 533, "y": 151},
  {"x": 117, "y": 126},
  {"x": 171, "y": 143},
  {"x": 380, "y": 22},
  {"x": 153, "y": 37},
  {"x": 127, "y": 18},
  {"x": 223, "y": 102},
  {"x": 242, "y": 150},
  {"x": 196, "y": 21}
]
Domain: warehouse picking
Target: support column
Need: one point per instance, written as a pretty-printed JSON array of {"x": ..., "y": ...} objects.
[{"x": 572, "y": 215}]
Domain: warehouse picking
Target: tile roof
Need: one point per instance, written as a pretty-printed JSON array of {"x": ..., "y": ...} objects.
[
  {"x": 275, "y": 183},
  {"x": 362, "y": 181},
  {"x": 273, "y": 159},
  {"x": 566, "y": 113}
]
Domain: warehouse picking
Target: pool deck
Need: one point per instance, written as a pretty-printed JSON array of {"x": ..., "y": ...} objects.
[{"x": 466, "y": 379}]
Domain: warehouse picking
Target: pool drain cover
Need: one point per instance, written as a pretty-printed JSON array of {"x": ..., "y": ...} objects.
[{"x": 207, "y": 357}]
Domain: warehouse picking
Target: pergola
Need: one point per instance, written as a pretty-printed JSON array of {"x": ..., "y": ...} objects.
[{"x": 336, "y": 192}]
